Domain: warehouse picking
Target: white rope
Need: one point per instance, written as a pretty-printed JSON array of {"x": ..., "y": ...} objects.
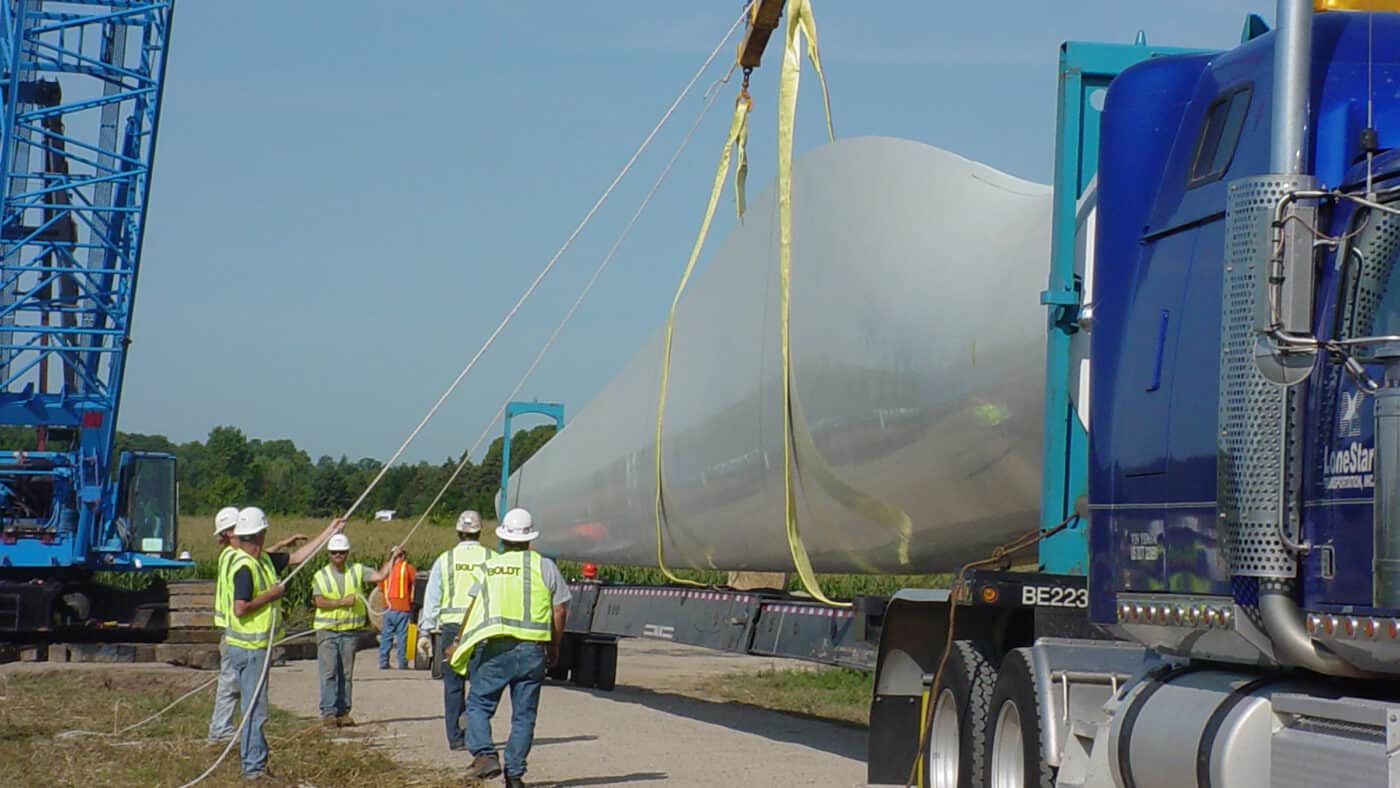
[
  {"x": 646, "y": 142},
  {"x": 133, "y": 726},
  {"x": 549, "y": 343}
]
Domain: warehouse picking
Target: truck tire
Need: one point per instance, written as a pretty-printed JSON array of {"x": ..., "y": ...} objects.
[
  {"x": 1014, "y": 755},
  {"x": 957, "y": 751}
]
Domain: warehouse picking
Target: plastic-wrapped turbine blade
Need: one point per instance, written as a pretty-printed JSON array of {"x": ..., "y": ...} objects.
[{"x": 917, "y": 361}]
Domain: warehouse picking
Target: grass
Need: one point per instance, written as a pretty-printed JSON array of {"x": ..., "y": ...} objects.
[
  {"x": 370, "y": 541},
  {"x": 840, "y": 694},
  {"x": 35, "y": 707}
]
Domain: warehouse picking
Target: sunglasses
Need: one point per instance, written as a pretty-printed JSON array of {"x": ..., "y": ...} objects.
[{"x": 338, "y": 552}]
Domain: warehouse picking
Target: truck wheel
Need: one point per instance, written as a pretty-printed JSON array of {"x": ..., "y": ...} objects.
[
  {"x": 1015, "y": 758},
  {"x": 956, "y": 754}
]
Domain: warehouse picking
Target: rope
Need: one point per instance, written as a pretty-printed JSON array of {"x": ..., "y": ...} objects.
[
  {"x": 133, "y": 726},
  {"x": 568, "y": 316},
  {"x": 384, "y": 469},
  {"x": 999, "y": 555},
  {"x": 646, "y": 142}
]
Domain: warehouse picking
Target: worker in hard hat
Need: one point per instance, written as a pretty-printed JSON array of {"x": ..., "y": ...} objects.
[
  {"x": 221, "y": 727},
  {"x": 443, "y": 607},
  {"x": 510, "y": 636},
  {"x": 226, "y": 695},
  {"x": 340, "y": 615},
  {"x": 254, "y": 621}
]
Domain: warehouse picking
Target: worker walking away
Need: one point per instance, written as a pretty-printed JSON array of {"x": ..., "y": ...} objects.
[
  {"x": 340, "y": 615},
  {"x": 510, "y": 635},
  {"x": 254, "y": 622},
  {"x": 221, "y": 727},
  {"x": 443, "y": 608},
  {"x": 397, "y": 589}
]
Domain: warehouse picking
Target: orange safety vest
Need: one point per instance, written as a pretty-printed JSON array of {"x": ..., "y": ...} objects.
[{"x": 398, "y": 586}]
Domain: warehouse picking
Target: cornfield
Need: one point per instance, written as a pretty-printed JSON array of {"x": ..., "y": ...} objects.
[{"x": 371, "y": 542}]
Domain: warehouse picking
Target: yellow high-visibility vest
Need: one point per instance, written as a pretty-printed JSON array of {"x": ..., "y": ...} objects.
[
  {"x": 223, "y": 586},
  {"x": 337, "y": 585},
  {"x": 511, "y": 600},
  {"x": 462, "y": 560},
  {"x": 258, "y": 629}
]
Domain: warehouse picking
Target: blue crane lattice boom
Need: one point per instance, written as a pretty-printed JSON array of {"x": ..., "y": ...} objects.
[{"x": 81, "y": 89}]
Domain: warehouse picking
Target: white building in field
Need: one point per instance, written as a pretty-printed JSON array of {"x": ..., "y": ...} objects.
[{"x": 384, "y": 515}]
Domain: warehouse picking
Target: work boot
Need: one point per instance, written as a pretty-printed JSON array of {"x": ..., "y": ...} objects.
[
  {"x": 514, "y": 782},
  {"x": 483, "y": 766},
  {"x": 345, "y": 721},
  {"x": 330, "y": 721}
]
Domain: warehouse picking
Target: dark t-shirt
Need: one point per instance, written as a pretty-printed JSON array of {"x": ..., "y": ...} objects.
[{"x": 243, "y": 578}]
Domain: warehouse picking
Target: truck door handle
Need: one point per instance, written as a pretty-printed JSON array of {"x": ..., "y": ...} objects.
[{"x": 1161, "y": 351}]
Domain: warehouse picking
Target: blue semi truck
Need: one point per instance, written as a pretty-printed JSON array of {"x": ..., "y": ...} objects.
[{"x": 1217, "y": 596}]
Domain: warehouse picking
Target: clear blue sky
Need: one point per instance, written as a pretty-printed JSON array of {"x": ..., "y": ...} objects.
[{"x": 349, "y": 195}]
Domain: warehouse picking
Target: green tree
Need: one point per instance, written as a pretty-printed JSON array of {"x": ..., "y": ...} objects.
[
  {"x": 282, "y": 477},
  {"x": 329, "y": 488}
]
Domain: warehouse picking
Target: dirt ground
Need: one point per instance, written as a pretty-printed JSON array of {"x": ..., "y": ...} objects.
[{"x": 652, "y": 729}]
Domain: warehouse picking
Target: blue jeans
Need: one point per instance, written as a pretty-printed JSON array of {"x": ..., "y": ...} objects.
[
  {"x": 454, "y": 693},
  {"x": 335, "y": 657},
  {"x": 495, "y": 665},
  {"x": 225, "y": 698},
  {"x": 247, "y": 666},
  {"x": 393, "y": 635}
]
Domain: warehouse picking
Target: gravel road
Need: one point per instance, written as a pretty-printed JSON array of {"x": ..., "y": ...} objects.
[{"x": 653, "y": 729}]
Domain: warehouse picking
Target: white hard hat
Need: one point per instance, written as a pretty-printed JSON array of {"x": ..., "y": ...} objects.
[
  {"x": 225, "y": 519},
  {"x": 338, "y": 543},
  {"x": 517, "y": 526},
  {"x": 251, "y": 520},
  {"x": 469, "y": 522}
]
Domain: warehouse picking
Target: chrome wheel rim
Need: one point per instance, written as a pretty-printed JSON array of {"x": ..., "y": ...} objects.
[
  {"x": 943, "y": 743},
  {"x": 1008, "y": 762}
]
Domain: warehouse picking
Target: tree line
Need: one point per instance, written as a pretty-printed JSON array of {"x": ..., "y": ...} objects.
[{"x": 281, "y": 478}]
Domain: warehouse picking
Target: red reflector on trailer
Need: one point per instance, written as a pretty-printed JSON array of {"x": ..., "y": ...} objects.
[{"x": 92, "y": 419}]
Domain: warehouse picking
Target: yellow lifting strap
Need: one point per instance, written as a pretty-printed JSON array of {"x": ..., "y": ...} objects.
[
  {"x": 799, "y": 22},
  {"x": 799, "y": 451},
  {"x": 737, "y": 137}
]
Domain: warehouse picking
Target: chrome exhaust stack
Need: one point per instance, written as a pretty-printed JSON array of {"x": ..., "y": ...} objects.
[{"x": 1278, "y": 610}]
